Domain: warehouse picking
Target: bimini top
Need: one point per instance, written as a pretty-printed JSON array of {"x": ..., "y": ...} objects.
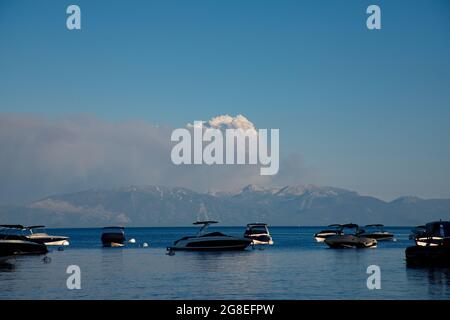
[
  {"x": 438, "y": 222},
  {"x": 12, "y": 226},
  {"x": 336, "y": 225},
  {"x": 257, "y": 224},
  {"x": 350, "y": 225},
  {"x": 205, "y": 222},
  {"x": 114, "y": 227},
  {"x": 35, "y": 227}
]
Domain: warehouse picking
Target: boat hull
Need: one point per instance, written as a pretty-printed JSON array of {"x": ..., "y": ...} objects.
[
  {"x": 438, "y": 256},
  {"x": 350, "y": 241},
  {"x": 379, "y": 236},
  {"x": 210, "y": 244},
  {"x": 57, "y": 243},
  {"x": 323, "y": 235},
  {"x": 112, "y": 240},
  {"x": 50, "y": 240},
  {"x": 20, "y": 247},
  {"x": 262, "y": 239}
]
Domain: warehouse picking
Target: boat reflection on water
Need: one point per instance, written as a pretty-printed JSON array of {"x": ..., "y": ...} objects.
[
  {"x": 7, "y": 266},
  {"x": 436, "y": 280}
]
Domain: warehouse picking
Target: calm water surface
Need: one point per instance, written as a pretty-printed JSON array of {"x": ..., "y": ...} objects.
[{"x": 296, "y": 267}]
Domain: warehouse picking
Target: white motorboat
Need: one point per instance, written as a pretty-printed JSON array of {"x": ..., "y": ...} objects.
[
  {"x": 39, "y": 235},
  {"x": 258, "y": 233},
  {"x": 332, "y": 230}
]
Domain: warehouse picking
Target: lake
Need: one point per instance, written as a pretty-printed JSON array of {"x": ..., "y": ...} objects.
[{"x": 295, "y": 267}]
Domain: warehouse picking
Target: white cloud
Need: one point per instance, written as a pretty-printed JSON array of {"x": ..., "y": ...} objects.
[
  {"x": 228, "y": 122},
  {"x": 224, "y": 122}
]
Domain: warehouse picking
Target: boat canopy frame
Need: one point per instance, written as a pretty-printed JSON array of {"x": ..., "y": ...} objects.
[{"x": 205, "y": 226}]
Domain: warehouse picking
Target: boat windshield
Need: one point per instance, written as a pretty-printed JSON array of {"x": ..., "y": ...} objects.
[
  {"x": 10, "y": 231},
  {"x": 203, "y": 229},
  {"x": 113, "y": 230},
  {"x": 205, "y": 225},
  {"x": 38, "y": 230},
  {"x": 350, "y": 229},
  {"x": 334, "y": 227},
  {"x": 257, "y": 229},
  {"x": 374, "y": 227}
]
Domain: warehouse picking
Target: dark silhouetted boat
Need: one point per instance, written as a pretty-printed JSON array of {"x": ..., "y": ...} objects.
[
  {"x": 13, "y": 242},
  {"x": 432, "y": 246},
  {"x": 212, "y": 241},
  {"x": 113, "y": 237}
]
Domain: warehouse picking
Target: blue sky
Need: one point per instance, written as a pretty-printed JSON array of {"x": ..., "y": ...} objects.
[{"x": 368, "y": 110}]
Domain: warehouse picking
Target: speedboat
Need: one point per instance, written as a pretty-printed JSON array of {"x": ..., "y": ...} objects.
[
  {"x": 113, "y": 237},
  {"x": 332, "y": 230},
  {"x": 376, "y": 231},
  {"x": 258, "y": 233},
  {"x": 39, "y": 235},
  {"x": 432, "y": 246},
  {"x": 434, "y": 234},
  {"x": 213, "y": 241},
  {"x": 13, "y": 242},
  {"x": 350, "y": 239}
]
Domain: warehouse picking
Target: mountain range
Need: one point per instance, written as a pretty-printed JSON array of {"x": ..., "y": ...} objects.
[{"x": 176, "y": 206}]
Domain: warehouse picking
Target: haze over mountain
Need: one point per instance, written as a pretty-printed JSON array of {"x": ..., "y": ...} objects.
[{"x": 164, "y": 206}]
